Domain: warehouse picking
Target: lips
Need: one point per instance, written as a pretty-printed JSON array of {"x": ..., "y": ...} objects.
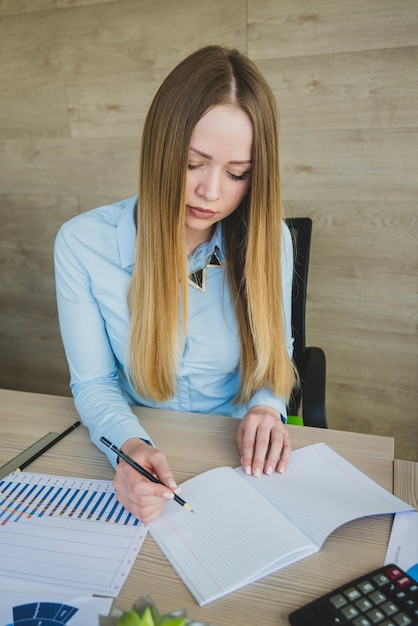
[{"x": 201, "y": 213}]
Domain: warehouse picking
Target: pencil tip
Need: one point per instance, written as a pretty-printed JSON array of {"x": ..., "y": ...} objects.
[{"x": 188, "y": 507}]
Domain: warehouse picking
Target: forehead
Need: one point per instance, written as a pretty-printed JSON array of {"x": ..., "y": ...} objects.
[{"x": 224, "y": 131}]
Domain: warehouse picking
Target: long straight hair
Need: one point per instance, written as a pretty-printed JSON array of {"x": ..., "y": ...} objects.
[{"x": 158, "y": 292}]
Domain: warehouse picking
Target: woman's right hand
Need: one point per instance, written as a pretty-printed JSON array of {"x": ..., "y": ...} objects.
[{"x": 140, "y": 496}]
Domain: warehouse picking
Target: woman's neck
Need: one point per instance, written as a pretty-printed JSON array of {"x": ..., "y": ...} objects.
[{"x": 195, "y": 238}]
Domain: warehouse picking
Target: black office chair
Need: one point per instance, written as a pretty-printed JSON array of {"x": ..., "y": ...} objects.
[{"x": 310, "y": 361}]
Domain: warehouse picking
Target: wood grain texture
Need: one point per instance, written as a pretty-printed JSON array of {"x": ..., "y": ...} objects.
[
  {"x": 344, "y": 76},
  {"x": 77, "y": 78},
  {"x": 195, "y": 443},
  {"x": 405, "y": 481},
  {"x": 16, "y": 7},
  {"x": 292, "y": 28},
  {"x": 346, "y": 90}
]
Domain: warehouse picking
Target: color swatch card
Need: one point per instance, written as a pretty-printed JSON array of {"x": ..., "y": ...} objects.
[{"x": 69, "y": 532}]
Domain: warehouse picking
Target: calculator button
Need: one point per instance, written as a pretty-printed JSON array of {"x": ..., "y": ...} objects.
[
  {"x": 362, "y": 621},
  {"x": 402, "y": 620},
  {"x": 404, "y": 581},
  {"x": 366, "y": 586},
  {"x": 377, "y": 597},
  {"x": 388, "y": 622},
  {"x": 350, "y": 611},
  {"x": 352, "y": 594},
  {"x": 338, "y": 601},
  {"x": 389, "y": 608},
  {"x": 376, "y": 616},
  {"x": 381, "y": 580},
  {"x": 393, "y": 572},
  {"x": 363, "y": 604}
]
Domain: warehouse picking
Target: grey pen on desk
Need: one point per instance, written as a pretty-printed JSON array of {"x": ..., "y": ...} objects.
[
  {"x": 142, "y": 470},
  {"x": 47, "y": 446}
]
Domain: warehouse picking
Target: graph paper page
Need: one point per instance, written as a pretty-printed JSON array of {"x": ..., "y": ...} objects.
[{"x": 68, "y": 532}]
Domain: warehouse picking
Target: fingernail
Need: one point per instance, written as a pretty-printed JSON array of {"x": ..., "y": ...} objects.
[
  {"x": 281, "y": 470},
  {"x": 168, "y": 495},
  {"x": 269, "y": 470},
  {"x": 177, "y": 490},
  {"x": 172, "y": 484},
  {"x": 248, "y": 470},
  {"x": 257, "y": 472}
]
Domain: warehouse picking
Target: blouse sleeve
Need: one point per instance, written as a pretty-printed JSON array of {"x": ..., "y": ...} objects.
[
  {"x": 93, "y": 369},
  {"x": 265, "y": 396}
]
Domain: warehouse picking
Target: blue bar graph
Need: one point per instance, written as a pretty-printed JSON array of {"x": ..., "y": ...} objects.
[{"x": 24, "y": 496}]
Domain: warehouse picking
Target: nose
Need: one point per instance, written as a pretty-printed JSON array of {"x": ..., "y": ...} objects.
[{"x": 209, "y": 186}]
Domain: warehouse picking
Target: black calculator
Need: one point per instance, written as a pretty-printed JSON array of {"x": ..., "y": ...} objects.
[{"x": 387, "y": 596}]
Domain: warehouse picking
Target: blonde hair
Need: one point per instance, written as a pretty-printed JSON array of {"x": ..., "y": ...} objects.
[{"x": 158, "y": 292}]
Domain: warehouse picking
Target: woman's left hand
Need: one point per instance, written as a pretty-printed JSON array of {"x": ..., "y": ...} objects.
[{"x": 263, "y": 441}]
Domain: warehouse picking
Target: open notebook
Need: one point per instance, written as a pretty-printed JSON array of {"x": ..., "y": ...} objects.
[{"x": 244, "y": 528}]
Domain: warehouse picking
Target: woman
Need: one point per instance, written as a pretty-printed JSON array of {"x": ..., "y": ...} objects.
[{"x": 181, "y": 298}]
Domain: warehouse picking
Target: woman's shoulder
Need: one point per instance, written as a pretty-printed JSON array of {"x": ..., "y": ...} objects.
[
  {"x": 104, "y": 233},
  {"x": 106, "y": 216}
]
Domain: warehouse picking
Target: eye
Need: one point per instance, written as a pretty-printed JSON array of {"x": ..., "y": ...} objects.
[
  {"x": 193, "y": 166},
  {"x": 239, "y": 177}
]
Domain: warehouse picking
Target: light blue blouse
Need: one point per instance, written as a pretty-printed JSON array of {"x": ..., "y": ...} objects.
[{"x": 94, "y": 260}]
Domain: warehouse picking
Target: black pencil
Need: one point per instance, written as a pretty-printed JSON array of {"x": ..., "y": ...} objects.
[
  {"x": 47, "y": 446},
  {"x": 142, "y": 470}
]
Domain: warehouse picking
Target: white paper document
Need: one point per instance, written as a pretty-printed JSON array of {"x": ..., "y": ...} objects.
[
  {"x": 66, "y": 532},
  {"x": 243, "y": 527}
]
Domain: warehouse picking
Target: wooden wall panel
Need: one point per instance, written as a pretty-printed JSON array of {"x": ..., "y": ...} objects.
[
  {"x": 65, "y": 167},
  {"x": 16, "y": 7},
  {"x": 77, "y": 79},
  {"x": 100, "y": 107},
  {"x": 344, "y": 75},
  {"x": 117, "y": 36},
  {"x": 346, "y": 90},
  {"x": 292, "y": 28},
  {"x": 32, "y": 357},
  {"x": 25, "y": 105}
]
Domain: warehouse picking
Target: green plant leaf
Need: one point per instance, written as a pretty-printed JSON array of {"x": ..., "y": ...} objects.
[
  {"x": 131, "y": 618},
  {"x": 147, "y": 619}
]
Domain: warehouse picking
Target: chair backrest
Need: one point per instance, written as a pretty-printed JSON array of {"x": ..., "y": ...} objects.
[
  {"x": 301, "y": 230},
  {"x": 310, "y": 361}
]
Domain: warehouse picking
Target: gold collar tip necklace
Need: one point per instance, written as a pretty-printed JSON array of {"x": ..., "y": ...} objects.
[{"x": 197, "y": 279}]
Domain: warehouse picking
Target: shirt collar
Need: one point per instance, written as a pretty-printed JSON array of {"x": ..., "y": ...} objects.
[{"x": 202, "y": 254}]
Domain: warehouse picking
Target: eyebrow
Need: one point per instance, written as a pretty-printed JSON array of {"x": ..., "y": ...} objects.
[{"x": 208, "y": 156}]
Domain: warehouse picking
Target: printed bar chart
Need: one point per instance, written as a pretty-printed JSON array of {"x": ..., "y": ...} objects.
[
  {"x": 69, "y": 532},
  {"x": 23, "y": 496}
]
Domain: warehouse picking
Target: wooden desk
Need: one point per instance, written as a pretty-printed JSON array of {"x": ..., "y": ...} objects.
[
  {"x": 405, "y": 478},
  {"x": 193, "y": 444}
]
